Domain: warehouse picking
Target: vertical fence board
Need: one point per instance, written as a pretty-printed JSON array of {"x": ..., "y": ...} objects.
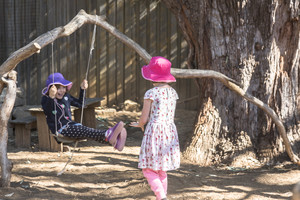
[
  {"x": 178, "y": 61},
  {"x": 168, "y": 34},
  {"x": 80, "y": 53},
  {"x": 2, "y": 32},
  {"x": 73, "y": 49},
  {"x": 133, "y": 89},
  {"x": 29, "y": 35},
  {"x": 102, "y": 56},
  {"x": 111, "y": 55},
  {"x": 123, "y": 51},
  {"x": 149, "y": 33},
  {"x": 142, "y": 40},
  {"x": 97, "y": 52},
  {"x": 60, "y": 21},
  {"x": 119, "y": 55},
  {"x": 9, "y": 26},
  {"x": 116, "y": 74},
  {"x": 128, "y": 55},
  {"x": 158, "y": 29},
  {"x": 39, "y": 64},
  {"x": 107, "y": 57},
  {"x": 16, "y": 35},
  {"x": 67, "y": 63},
  {"x": 44, "y": 57},
  {"x": 136, "y": 57}
]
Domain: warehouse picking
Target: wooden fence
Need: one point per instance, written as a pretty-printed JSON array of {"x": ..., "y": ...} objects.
[{"x": 114, "y": 68}]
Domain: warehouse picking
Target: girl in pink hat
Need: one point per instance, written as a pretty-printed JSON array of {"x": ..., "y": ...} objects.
[
  {"x": 159, "y": 151},
  {"x": 56, "y": 103}
]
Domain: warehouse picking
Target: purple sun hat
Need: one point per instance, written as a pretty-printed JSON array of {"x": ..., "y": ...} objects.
[
  {"x": 56, "y": 78},
  {"x": 158, "y": 70}
]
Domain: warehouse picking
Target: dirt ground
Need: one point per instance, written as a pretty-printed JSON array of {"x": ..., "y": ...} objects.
[{"x": 97, "y": 171}]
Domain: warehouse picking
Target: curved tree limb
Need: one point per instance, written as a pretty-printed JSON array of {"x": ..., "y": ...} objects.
[{"x": 83, "y": 18}]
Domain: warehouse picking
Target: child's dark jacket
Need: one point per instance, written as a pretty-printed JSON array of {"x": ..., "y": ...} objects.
[{"x": 63, "y": 110}]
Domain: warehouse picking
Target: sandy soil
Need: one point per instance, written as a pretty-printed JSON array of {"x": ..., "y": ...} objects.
[{"x": 97, "y": 171}]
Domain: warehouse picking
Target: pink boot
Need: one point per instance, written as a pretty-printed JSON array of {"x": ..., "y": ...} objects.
[
  {"x": 114, "y": 132},
  {"x": 121, "y": 140}
]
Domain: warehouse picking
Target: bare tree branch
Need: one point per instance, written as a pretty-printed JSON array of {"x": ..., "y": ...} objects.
[{"x": 83, "y": 18}]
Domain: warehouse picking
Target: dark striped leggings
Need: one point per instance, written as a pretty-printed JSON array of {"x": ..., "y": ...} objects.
[{"x": 83, "y": 132}]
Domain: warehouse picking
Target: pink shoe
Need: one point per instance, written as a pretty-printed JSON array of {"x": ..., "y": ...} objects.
[
  {"x": 121, "y": 140},
  {"x": 114, "y": 132}
]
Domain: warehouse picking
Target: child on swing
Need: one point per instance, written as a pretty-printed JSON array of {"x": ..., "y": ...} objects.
[
  {"x": 159, "y": 151},
  {"x": 56, "y": 103}
]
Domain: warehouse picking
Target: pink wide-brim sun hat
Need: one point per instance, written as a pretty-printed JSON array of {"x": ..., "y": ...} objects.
[
  {"x": 158, "y": 70},
  {"x": 56, "y": 79}
]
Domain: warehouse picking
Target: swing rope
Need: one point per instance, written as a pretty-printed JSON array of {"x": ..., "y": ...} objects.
[
  {"x": 53, "y": 71},
  {"x": 83, "y": 100},
  {"x": 87, "y": 71}
]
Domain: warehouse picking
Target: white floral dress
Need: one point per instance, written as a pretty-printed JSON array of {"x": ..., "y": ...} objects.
[{"x": 160, "y": 145}]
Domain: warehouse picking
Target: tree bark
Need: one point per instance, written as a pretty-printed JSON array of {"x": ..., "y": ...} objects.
[
  {"x": 6, "y": 165},
  {"x": 257, "y": 43}
]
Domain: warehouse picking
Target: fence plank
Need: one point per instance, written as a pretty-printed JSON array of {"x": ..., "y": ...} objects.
[{"x": 2, "y": 32}]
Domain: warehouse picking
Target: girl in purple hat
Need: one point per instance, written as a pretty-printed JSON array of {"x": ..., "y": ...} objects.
[
  {"x": 56, "y": 103},
  {"x": 159, "y": 151}
]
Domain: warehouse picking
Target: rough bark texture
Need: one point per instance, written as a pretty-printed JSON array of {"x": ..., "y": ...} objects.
[
  {"x": 6, "y": 165},
  {"x": 255, "y": 43}
]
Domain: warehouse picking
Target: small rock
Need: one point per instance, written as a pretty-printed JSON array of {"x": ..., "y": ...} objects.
[
  {"x": 131, "y": 106},
  {"x": 103, "y": 113}
]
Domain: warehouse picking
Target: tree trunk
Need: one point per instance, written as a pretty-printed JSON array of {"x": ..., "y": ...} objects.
[
  {"x": 6, "y": 108},
  {"x": 255, "y": 43}
]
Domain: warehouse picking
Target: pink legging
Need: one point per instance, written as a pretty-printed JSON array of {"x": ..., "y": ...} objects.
[{"x": 158, "y": 182}]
